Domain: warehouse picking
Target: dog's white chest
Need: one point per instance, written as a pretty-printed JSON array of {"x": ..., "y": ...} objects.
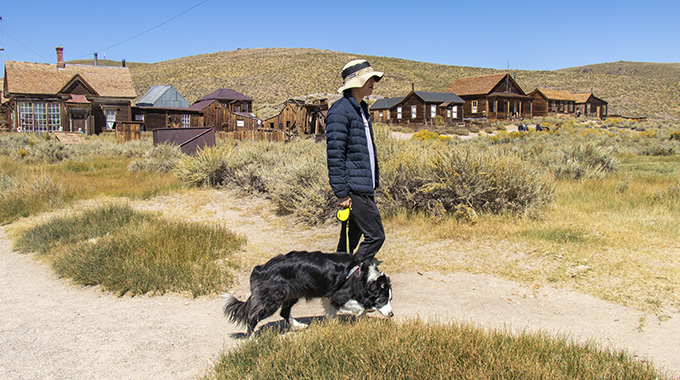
[{"x": 351, "y": 307}]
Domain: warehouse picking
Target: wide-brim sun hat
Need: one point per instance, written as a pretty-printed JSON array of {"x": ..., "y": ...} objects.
[{"x": 356, "y": 73}]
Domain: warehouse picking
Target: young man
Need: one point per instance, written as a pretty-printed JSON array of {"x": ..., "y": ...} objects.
[{"x": 352, "y": 164}]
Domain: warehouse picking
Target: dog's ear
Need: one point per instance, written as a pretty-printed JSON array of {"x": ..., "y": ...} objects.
[{"x": 373, "y": 272}]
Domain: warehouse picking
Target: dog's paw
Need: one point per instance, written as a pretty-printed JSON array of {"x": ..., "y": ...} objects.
[{"x": 295, "y": 325}]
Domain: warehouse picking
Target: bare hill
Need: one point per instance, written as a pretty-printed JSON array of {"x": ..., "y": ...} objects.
[{"x": 270, "y": 76}]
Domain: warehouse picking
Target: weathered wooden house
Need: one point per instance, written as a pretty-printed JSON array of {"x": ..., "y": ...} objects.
[
  {"x": 46, "y": 97},
  {"x": 547, "y": 102},
  {"x": 492, "y": 97},
  {"x": 419, "y": 108},
  {"x": 589, "y": 105},
  {"x": 164, "y": 107},
  {"x": 381, "y": 111},
  {"x": 227, "y": 110},
  {"x": 300, "y": 117}
]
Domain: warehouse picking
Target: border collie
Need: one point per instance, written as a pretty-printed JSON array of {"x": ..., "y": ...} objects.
[{"x": 348, "y": 287}]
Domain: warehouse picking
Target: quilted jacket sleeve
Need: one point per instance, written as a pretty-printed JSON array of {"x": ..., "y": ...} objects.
[{"x": 337, "y": 136}]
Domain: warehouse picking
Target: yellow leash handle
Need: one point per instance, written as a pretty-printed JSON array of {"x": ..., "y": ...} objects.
[{"x": 343, "y": 216}]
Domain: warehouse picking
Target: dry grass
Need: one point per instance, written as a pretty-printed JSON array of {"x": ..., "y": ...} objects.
[{"x": 376, "y": 349}]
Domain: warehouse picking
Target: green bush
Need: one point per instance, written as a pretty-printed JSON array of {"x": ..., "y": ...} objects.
[{"x": 440, "y": 178}]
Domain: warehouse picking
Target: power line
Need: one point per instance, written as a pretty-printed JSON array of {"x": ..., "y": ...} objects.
[
  {"x": 22, "y": 39},
  {"x": 152, "y": 28}
]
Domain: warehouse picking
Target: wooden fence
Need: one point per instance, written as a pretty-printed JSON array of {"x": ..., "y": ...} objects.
[
  {"x": 128, "y": 130},
  {"x": 259, "y": 135}
]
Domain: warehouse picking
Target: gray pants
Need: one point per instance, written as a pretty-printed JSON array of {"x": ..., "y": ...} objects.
[{"x": 364, "y": 220}]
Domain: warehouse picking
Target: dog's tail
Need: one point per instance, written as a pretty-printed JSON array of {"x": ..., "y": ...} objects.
[{"x": 237, "y": 311}]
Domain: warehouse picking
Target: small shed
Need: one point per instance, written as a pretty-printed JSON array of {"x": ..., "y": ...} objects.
[
  {"x": 589, "y": 105},
  {"x": 227, "y": 110},
  {"x": 300, "y": 117}
]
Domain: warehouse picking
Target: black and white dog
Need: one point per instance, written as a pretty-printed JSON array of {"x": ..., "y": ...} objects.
[{"x": 348, "y": 287}]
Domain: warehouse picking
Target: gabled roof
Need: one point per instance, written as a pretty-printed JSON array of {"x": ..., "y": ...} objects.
[
  {"x": 555, "y": 94},
  {"x": 47, "y": 79},
  {"x": 225, "y": 94},
  {"x": 385, "y": 103},
  {"x": 165, "y": 96},
  {"x": 151, "y": 97},
  {"x": 584, "y": 97},
  {"x": 439, "y": 97},
  {"x": 200, "y": 105},
  {"x": 480, "y": 85}
]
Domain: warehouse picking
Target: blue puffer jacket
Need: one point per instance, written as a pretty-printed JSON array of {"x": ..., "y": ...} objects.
[{"x": 349, "y": 166}]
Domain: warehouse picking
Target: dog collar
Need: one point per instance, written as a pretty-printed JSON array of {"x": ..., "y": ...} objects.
[{"x": 351, "y": 272}]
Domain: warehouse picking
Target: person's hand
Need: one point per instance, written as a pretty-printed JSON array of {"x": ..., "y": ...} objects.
[{"x": 345, "y": 202}]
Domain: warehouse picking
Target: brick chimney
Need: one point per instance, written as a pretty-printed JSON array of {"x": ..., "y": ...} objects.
[{"x": 60, "y": 57}]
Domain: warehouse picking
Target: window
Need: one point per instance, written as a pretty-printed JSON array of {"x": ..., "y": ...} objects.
[
  {"x": 433, "y": 111},
  {"x": 571, "y": 107},
  {"x": 380, "y": 113},
  {"x": 494, "y": 105},
  {"x": 110, "y": 119},
  {"x": 54, "y": 119},
  {"x": 448, "y": 114},
  {"x": 414, "y": 110},
  {"x": 561, "y": 106},
  {"x": 455, "y": 112},
  {"x": 39, "y": 117},
  {"x": 587, "y": 108},
  {"x": 186, "y": 121},
  {"x": 241, "y": 123},
  {"x": 399, "y": 112},
  {"x": 474, "y": 106}
]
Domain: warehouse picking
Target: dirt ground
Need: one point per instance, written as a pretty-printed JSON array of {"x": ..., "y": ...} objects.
[{"x": 51, "y": 329}]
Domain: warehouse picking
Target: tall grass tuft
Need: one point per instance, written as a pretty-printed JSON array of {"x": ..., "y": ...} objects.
[
  {"x": 162, "y": 158},
  {"x": 129, "y": 252},
  {"x": 378, "y": 349},
  {"x": 24, "y": 195},
  {"x": 442, "y": 178}
]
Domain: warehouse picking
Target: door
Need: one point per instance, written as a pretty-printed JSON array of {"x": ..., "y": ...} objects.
[{"x": 77, "y": 122}]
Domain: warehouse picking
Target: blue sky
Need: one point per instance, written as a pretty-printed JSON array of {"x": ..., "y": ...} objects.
[{"x": 524, "y": 35}]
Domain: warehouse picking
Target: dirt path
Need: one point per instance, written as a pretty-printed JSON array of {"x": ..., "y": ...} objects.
[{"x": 50, "y": 329}]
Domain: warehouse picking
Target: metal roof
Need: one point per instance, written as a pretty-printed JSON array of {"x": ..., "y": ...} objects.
[
  {"x": 225, "y": 94},
  {"x": 385, "y": 103},
  {"x": 439, "y": 97}
]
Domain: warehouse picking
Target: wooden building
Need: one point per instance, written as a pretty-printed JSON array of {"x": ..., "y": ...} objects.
[
  {"x": 71, "y": 98},
  {"x": 419, "y": 108},
  {"x": 381, "y": 111},
  {"x": 548, "y": 102},
  {"x": 589, "y": 105},
  {"x": 299, "y": 117},
  {"x": 492, "y": 97},
  {"x": 164, "y": 107},
  {"x": 227, "y": 110}
]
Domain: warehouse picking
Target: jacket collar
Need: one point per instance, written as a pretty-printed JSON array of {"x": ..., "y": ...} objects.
[{"x": 356, "y": 105}]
